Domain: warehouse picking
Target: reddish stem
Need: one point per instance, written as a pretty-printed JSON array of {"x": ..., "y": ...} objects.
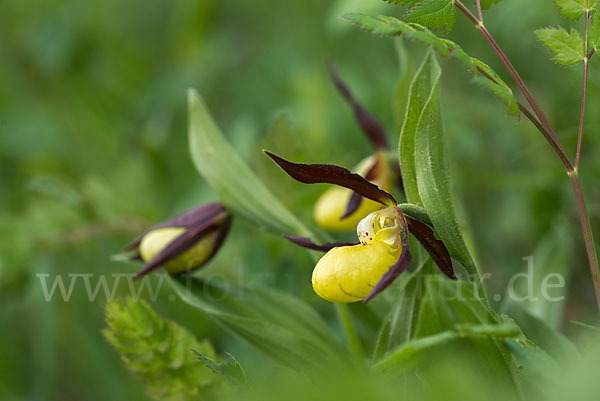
[
  {"x": 545, "y": 128},
  {"x": 583, "y": 91},
  {"x": 479, "y": 12},
  {"x": 554, "y": 141}
]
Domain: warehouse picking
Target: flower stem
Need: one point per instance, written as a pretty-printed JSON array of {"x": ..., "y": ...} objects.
[
  {"x": 353, "y": 341},
  {"x": 543, "y": 125},
  {"x": 587, "y": 232},
  {"x": 479, "y": 12},
  {"x": 552, "y": 138},
  {"x": 583, "y": 91}
]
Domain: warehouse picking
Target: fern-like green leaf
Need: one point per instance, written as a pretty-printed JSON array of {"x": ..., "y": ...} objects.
[
  {"x": 407, "y": 3},
  {"x": 484, "y": 75},
  {"x": 567, "y": 47},
  {"x": 433, "y": 14},
  {"x": 230, "y": 369},
  {"x": 158, "y": 352},
  {"x": 574, "y": 9}
]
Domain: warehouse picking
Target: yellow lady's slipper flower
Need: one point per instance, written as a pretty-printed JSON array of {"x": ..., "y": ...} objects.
[
  {"x": 361, "y": 271},
  {"x": 350, "y": 273}
]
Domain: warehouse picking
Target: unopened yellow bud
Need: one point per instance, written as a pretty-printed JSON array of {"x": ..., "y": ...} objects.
[
  {"x": 331, "y": 206},
  {"x": 156, "y": 240}
]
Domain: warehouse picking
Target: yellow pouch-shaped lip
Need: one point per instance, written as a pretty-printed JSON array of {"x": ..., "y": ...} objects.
[
  {"x": 349, "y": 273},
  {"x": 156, "y": 240}
]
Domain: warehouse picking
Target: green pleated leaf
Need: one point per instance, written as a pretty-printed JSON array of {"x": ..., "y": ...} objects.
[
  {"x": 431, "y": 166},
  {"x": 238, "y": 187},
  {"x": 282, "y": 327},
  {"x": 449, "y": 305},
  {"x": 574, "y": 9},
  {"x": 567, "y": 47},
  {"x": 158, "y": 352},
  {"x": 401, "y": 354},
  {"x": 419, "y": 92},
  {"x": 452, "y": 318},
  {"x": 483, "y": 74},
  {"x": 434, "y": 14},
  {"x": 399, "y": 326}
]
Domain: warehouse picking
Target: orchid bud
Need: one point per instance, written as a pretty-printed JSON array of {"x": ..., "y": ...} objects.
[
  {"x": 349, "y": 273},
  {"x": 331, "y": 209},
  {"x": 184, "y": 243}
]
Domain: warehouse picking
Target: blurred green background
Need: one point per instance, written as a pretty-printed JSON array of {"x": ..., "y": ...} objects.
[{"x": 93, "y": 149}]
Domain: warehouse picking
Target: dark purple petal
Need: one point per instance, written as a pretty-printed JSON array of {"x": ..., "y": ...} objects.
[
  {"x": 330, "y": 174},
  {"x": 308, "y": 243},
  {"x": 187, "y": 240},
  {"x": 397, "y": 268},
  {"x": 196, "y": 216},
  {"x": 368, "y": 123},
  {"x": 353, "y": 205},
  {"x": 435, "y": 247},
  {"x": 356, "y": 199}
]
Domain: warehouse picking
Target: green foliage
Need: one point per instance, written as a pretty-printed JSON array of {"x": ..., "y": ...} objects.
[
  {"x": 541, "y": 333},
  {"x": 484, "y": 75},
  {"x": 230, "y": 177},
  {"x": 434, "y": 14},
  {"x": 423, "y": 156},
  {"x": 281, "y": 326},
  {"x": 97, "y": 75},
  {"x": 574, "y": 9},
  {"x": 463, "y": 332},
  {"x": 230, "y": 369},
  {"x": 407, "y": 3},
  {"x": 594, "y": 33},
  {"x": 418, "y": 93},
  {"x": 486, "y": 4},
  {"x": 399, "y": 325},
  {"x": 159, "y": 352},
  {"x": 548, "y": 267},
  {"x": 450, "y": 303},
  {"x": 568, "y": 47}
]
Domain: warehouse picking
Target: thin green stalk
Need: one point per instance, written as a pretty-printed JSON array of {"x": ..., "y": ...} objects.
[{"x": 351, "y": 336}]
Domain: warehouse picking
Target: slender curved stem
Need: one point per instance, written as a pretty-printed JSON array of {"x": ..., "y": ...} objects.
[
  {"x": 543, "y": 125},
  {"x": 479, "y": 12},
  {"x": 583, "y": 91},
  {"x": 587, "y": 232},
  {"x": 555, "y": 142}
]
